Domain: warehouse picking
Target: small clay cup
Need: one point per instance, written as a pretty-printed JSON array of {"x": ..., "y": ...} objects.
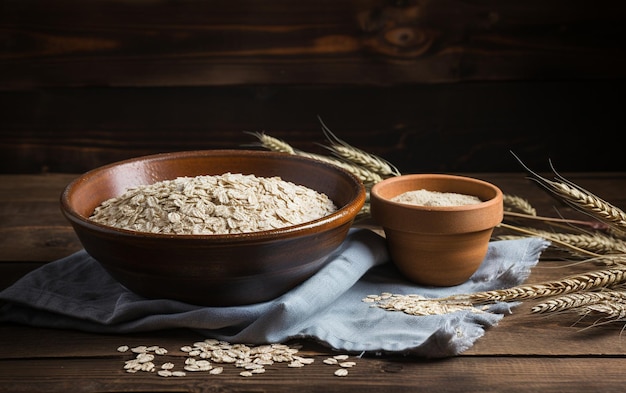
[{"x": 437, "y": 245}]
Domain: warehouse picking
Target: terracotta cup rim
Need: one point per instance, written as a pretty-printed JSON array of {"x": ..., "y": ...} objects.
[{"x": 436, "y": 219}]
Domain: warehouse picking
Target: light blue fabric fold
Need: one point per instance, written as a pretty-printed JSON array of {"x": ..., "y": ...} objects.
[{"x": 76, "y": 292}]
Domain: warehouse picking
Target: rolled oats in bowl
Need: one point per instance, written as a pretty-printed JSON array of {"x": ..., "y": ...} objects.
[{"x": 214, "y": 204}]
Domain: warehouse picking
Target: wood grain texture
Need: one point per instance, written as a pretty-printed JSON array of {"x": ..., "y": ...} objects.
[
  {"x": 81, "y": 362},
  {"x": 447, "y": 85},
  {"x": 374, "y": 42},
  {"x": 420, "y": 128}
]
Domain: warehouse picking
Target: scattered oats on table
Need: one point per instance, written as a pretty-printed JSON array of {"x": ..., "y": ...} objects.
[{"x": 203, "y": 356}]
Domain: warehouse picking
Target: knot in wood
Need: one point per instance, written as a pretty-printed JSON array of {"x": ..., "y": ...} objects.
[{"x": 405, "y": 37}]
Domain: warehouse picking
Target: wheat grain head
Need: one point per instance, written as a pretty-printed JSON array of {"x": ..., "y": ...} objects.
[
  {"x": 580, "y": 199},
  {"x": 357, "y": 156}
]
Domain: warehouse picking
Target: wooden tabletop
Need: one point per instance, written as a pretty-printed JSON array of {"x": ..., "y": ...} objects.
[{"x": 525, "y": 352}]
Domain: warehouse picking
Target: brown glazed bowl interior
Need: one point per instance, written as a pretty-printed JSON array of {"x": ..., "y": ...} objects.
[
  {"x": 439, "y": 246},
  {"x": 213, "y": 270}
]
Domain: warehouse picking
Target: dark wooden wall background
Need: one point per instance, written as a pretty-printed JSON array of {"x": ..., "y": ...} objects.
[{"x": 431, "y": 85}]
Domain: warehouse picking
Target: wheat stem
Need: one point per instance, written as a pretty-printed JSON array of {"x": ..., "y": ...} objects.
[
  {"x": 596, "y": 242},
  {"x": 550, "y": 238},
  {"x": 552, "y": 220}
]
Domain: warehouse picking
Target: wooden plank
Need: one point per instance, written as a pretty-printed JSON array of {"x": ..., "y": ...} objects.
[
  {"x": 471, "y": 374},
  {"x": 33, "y": 228},
  {"x": 526, "y": 334},
  {"x": 191, "y": 43},
  {"x": 102, "y": 362},
  {"x": 18, "y": 213},
  {"x": 37, "y": 244},
  {"x": 443, "y": 128},
  {"x": 29, "y": 188}
]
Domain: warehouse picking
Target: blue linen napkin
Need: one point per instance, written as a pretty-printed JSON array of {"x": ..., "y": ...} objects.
[{"x": 76, "y": 292}]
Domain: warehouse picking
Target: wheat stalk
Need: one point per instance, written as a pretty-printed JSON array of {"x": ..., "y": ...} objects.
[
  {"x": 581, "y": 199},
  {"x": 582, "y": 282},
  {"x": 588, "y": 202},
  {"x": 365, "y": 175},
  {"x": 552, "y": 221},
  {"x": 358, "y": 156},
  {"x": 368, "y": 177},
  {"x": 552, "y": 239},
  {"x": 596, "y": 242},
  {"x": 271, "y": 143},
  {"x": 577, "y": 300}
]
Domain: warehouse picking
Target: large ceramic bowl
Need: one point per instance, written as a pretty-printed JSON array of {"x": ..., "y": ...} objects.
[
  {"x": 437, "y": 245},
  {"x": 213, "y": 269}
]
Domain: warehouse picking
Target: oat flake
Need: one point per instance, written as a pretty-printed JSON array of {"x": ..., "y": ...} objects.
[{"x": 222, "y": 204}]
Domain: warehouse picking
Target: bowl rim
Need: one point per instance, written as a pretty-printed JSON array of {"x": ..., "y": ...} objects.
[
  {"x": 437, "y": 220},
  {"x": 375, "y": 192},
  {"x": 341, "y": 216}
]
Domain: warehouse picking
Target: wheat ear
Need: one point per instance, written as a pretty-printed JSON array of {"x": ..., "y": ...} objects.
[
  {"x": 581, "y": 199},
  {"x": 576, "y": 300},
  {"x": 583, "y": 282},
  {"x": 272, "y": 143},
  {"x": 360, "y": 157},
  {"x": 612, "y": 311},
  {"x": 367, "y": 177},
  {"x": 517, "y": 203}
]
